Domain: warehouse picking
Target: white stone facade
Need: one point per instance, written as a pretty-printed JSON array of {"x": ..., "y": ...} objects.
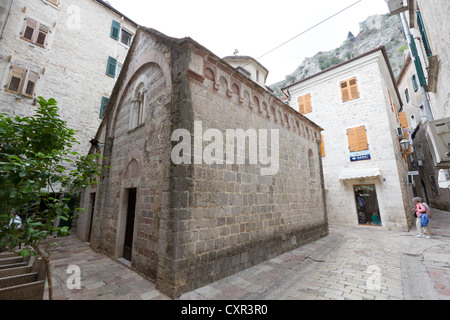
[
  {"x": 69, "y": 65},
  {"x": 373, "y": 110}
]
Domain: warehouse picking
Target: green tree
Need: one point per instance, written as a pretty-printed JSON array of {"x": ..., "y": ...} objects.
[{"x": 39, "y": 174}]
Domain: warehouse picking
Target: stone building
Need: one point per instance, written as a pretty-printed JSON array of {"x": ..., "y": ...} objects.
[
  {"x": 69, "y": 50},
  {"x": 424, "y": 84},
  {"x": 357, "y": 104},
  {"x": 208, "y": 173}
]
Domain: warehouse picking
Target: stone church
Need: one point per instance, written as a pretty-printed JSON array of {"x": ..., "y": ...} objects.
[{"x": 208, "y": 172}]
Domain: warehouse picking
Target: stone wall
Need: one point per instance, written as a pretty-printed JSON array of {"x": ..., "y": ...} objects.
[
  {"x": 373, "y": 111},
  {"x": 71, "y": 67},
  {"x": 198, "y": 221}
]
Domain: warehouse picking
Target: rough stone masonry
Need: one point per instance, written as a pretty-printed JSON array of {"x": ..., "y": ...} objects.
[{"x": 201, "y": 220}]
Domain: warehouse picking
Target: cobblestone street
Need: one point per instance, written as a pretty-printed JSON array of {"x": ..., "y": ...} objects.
[{"x": 351, "y": 263}]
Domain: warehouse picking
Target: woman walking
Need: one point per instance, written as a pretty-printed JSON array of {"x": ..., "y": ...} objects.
[{"x": 420, "y": 209}]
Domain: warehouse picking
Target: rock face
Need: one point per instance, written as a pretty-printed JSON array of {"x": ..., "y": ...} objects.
[{"x": 375, "y": 31}]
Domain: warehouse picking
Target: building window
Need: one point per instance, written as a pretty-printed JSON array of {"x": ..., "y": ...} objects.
[
  {"x": 118, "y": 32},
  {"x": 423, "y": 33},
  {"x": 35, "y": 32},
  {"x": 414, "y": 83},
  {"x": 54, "y": 2},
  {"x": 105, "y": 101},
  {"x": 349, "y": 89},
  {"x": 22, "y": 81},
  {"x": 357, "y": 139},
  {"x": 312, "y": 165},
  {"x": 304, "y": 104},
  {"x": 118, "y": 70},
  {"x": 407, "y": 95},
  {"x": 126, "y": 38},
  {"x": 111, "y": 67},
  {"x": 115, "y": 30},
  {"x": 137, "y": 107}
]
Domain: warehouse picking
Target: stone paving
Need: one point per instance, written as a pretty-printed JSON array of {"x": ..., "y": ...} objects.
[{"x": 363, "y": 263}]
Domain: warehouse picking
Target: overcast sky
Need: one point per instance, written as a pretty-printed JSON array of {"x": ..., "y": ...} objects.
[{"x": 254, "y": 27}]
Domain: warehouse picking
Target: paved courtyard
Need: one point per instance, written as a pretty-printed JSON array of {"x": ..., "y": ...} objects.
[{"x": 349, "y": 264}]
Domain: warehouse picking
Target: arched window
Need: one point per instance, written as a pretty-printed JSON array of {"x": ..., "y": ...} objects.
[
  {"x": 137, "y": 107},
  {"x": 312, "y": 165}
]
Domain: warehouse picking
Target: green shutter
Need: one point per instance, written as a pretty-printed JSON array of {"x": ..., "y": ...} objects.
[
  {"x": 111, "y": 68},
  {"x": 105, "y": 101},
  {"x": 423, "y": 33},
  {"x": 417, "y": 63},
  {"x": 115, "y": 30}
]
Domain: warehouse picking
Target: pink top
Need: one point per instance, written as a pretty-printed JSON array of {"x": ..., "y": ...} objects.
[{"x": 420, "y": 208}]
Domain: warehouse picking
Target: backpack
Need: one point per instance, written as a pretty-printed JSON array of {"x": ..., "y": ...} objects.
[
  {"x": 428, "y": 209},
  {"x": 424, "y": 220}
]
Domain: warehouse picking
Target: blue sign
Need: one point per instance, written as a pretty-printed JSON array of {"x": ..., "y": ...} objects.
[{"x": 359, "y": 155}]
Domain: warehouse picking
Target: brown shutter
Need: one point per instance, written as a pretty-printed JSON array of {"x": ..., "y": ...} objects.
[
  {"x": 354, "y": 92},
  {"x": 30, "y": 84},
  {"x": 301, "y": 104},
  {"x": 16, "y": 79},
  {"x": 29, "y": 29},
  {"x": 403, "y": 120},
  {"x": 362, "y": 138},
  {"x": 42, "y": 35},
  {"x": 344, "y": 91},
  {"x": 322, "y": 146},
  {"x": 357, "y": 139},
  {"x": 349, "y": 89},
  {"x": 304, "y": 104}
]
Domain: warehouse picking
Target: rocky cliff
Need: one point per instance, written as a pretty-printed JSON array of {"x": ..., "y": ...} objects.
[{"x": 374, "y": 32}]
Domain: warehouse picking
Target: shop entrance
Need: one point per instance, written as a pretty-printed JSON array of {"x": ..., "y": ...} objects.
[{"x": 367, "y": 205}]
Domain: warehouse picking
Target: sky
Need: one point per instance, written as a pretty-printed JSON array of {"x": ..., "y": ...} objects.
[{"x": 255, "y": 27}]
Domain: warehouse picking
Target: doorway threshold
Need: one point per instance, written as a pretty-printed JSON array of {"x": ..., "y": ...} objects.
[{"x": 124, "y": 261}]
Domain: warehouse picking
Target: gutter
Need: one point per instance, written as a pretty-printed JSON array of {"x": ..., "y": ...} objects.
[{"x": 6, "y": 20}]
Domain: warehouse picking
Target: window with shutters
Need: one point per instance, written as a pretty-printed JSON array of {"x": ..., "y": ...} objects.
[
  {"x": 357, "y": 139},
  {"x": 349, "y": 89},
  {"x": 54, "y": 2},
  {"x": 111, "y": 67},
  {"x": 115, "y": 30},
  {"x": 423, "y": 33},
  {"x": 30, "y": 83},
  {"x": 414, "y": 82},
  {"x": 304, "y": 104},
  {"x": 22, "y": 82},
  {"x": 104, "y": 104},
  {"x": 35, "y": 32},
  {"x": 322, "y": 146},
  {"x": 312, "y": 165}
]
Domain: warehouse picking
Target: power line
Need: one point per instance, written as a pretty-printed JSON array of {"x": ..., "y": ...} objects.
[{"x": 330, "y": 17}]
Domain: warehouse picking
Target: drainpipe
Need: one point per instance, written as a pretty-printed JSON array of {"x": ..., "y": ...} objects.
[
  {"x": 416, "y": 61},
  {"x": 6, "y": 19}
]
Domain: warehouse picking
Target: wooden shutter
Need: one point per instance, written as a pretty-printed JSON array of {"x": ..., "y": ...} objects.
[
  {"x": 403, "y": 119},
  {"x": 349, "y": 89},
  {"x": 42, "y": 35},
  {"x": 105, "y": 101},
  {"x": 357, "y": 139},
  {"x": 16, "y": 80},
  {"x": 29, "y": 29},
  {"x": 115, "y": 30},
  {"x": 54, "y": 2},
  {"x": 30, "y": 83},
  {"x": 304, "y": 104},
  {"x": 322, "y": 146},
  {"x": 111, "y": 68}
]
